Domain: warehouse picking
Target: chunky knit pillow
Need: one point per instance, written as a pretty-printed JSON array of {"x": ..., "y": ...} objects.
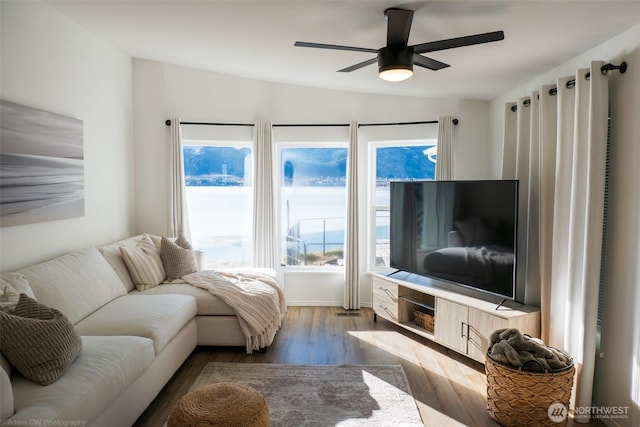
[
  {"x": 39, "y": 341},
  {"x": 178, "y": 258}
]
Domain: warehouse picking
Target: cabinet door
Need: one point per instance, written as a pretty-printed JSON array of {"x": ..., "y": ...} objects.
[
  {"x": 481, "y": 326},
  {"x": 451, "y": 325}
]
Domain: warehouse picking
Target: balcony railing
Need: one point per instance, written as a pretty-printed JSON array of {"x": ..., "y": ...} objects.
[{"x": 299, "y": 250}]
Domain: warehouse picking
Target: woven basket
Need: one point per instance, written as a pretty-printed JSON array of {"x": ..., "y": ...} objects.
[
  {"x": 423, "y": 320},
  {"x": 517, "y": 398}
]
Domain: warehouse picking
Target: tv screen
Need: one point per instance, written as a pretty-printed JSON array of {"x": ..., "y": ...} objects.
[{"x": 460, "y": 232}]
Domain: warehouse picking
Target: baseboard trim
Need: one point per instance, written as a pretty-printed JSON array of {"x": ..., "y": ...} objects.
[{"x": 322, "y": 304}]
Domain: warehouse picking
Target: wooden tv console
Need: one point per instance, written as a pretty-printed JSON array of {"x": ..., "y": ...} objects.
[{"x": 462, "y": 323}]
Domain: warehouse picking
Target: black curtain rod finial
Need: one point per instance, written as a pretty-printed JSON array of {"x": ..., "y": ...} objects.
[
  {"x": 455, "y": 121},
  {"x": 609, "y": 67},
  {"x": 168, "y": 122}
]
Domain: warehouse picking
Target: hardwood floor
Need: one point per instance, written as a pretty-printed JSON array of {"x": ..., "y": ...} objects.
[{"x": 449, "y": 389}]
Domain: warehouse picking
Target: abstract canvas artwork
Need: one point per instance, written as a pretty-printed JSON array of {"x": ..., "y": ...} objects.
[{"x": 41, "y": 166}]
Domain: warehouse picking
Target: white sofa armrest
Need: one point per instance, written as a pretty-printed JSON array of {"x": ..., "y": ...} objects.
[{"x": 6, "y": 395}]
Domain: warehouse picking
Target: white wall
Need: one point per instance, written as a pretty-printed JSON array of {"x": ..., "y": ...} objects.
[
  {"x": 162, "y": 91},
  {"x": 617, "y": 380},
  {"x": 51, "y": 63}
]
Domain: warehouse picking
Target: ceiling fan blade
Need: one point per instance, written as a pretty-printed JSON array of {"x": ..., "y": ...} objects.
[
  {"x": 429, "y": 63},
  {"x": 459, "y": 42},
  {"x": 359, "y": 65},
  {"x": 398, "y": 26},
  {"x": 335, "y": 47}
]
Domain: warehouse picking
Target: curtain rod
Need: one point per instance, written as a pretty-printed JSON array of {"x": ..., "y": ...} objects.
[
  {"x": 428, "y": 122},
  {"x": 309, "y": 125},
  {"x": 168, "y": 123},
  {"x": 571, "y": 83}
]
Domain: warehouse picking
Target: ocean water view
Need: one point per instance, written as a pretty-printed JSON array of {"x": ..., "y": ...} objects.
[
  {"x": 220, "y": 219},
  {"x": 312, "y": 199}
]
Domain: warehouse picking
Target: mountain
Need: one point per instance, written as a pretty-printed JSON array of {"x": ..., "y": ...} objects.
[{"x": 225, "y": 166}]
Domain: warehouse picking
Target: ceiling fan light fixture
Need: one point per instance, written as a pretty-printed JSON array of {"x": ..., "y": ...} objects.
[
  {"x": 395, "y": 64},
  {"x": 397, "y": 74},
  {"x": 397, "y": 58}
]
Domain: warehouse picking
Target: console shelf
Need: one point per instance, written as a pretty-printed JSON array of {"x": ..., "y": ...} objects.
[
  {"x": 420, "y": 304},
  {"x": 462, "y": 323},
  {"x": 418, "y": 330}
]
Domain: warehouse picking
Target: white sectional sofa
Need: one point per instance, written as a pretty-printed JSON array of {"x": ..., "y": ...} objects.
[
  {"x": 132, "y": 341},
  {"x": 216, "y": 321}
]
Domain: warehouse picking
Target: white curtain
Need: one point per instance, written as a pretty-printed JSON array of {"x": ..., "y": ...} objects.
[
  {"x": 444, "y": 163},
  {"x": 178, "y": 218},
  {"x": 556, "y": 147},
  {"x": 352, "y": 270},
  {"x": 546, "y": 190},
  {"x": 265, "y": 238}
]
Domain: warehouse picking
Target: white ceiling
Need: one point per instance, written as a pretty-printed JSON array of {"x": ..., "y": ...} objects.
[{"x": 255, "y": 39}]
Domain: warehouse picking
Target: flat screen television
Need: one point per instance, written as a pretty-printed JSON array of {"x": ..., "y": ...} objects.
[{"x": 457, "y": 232}]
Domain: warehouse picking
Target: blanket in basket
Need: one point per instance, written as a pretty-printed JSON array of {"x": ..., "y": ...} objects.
[{"x": 257, "y": 300}]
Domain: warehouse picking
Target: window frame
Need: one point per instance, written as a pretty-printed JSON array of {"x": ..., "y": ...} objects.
[
  {"x": 279, "y": 145},
  {"x": 374, "y": 208},
  {"x": 225, "y": 143}
]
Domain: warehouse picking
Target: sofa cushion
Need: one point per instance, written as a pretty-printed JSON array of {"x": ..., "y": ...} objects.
[
  {"x": 158, "y": 317},
  {"x": 144, "y": 264},
  {"x": 5, "y": 365},
  {"x": 114, "y": 258},
  {"x": 18, "y": 282},
  {"x": 38, "y": 340},
  {"x": 6, "y": 396},
  {"x": 76, "y": 284},
  {"x": 208, "y": 304},
  {"x": 177, "y": 257},
  {"x": 105, "y": 368}
]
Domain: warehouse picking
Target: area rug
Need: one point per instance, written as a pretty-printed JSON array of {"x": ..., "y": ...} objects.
[{"x": 324, "y": 395}]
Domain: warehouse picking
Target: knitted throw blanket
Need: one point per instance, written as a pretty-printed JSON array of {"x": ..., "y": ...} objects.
[
  {"x": 257, "y": 300},
  {"x": 522, "y": 351}
]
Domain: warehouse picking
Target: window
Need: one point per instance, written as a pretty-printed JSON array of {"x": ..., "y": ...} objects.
[
  {"x": 313, "y": 204},
  {"x": 395, "y": 161},
  {"x": 218, "y": 178}
]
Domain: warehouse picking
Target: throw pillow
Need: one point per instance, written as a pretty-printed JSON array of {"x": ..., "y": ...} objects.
[
  {"x": 39, "y": 341},
  {"x": 178, "y": 258},
  {"x": 144, "y": 264},
  {"x": 18, "y": 282},
  {"x": 8, "y": 296}
]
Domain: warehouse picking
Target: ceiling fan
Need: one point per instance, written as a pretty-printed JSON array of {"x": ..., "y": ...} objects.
[{"x": 396, "y": 59}]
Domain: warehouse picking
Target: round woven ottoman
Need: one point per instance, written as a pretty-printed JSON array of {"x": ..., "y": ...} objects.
[{"x": 221, "y": 404}]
